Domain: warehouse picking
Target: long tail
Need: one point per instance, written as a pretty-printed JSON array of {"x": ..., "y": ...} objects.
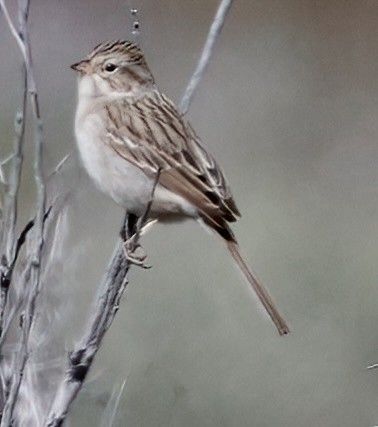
[{"x": 261, "y": 292}]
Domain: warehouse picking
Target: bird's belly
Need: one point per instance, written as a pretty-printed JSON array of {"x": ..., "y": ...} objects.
[{"x": 124, "y": 182}]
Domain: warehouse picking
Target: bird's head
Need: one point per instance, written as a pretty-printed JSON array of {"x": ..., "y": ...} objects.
[{"x": 113, "y": 68}]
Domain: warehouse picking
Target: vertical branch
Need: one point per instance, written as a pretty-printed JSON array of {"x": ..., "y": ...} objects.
[
  {"x": 207, "y": 51},
  {"x": 32, "y": 286},
  {"x": 38, "y": 232},
  {"x": 8, "y": 240},
  {"x": 7, "y": 237}
]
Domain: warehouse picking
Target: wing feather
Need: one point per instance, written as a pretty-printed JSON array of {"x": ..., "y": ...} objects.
[{"x": 151, "y": 134}]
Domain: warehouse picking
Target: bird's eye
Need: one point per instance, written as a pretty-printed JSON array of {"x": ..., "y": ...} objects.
[{"x": 109, "y": 67}]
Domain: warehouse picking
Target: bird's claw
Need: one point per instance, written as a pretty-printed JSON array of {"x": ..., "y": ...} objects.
[{"x": 134, "y": 252}]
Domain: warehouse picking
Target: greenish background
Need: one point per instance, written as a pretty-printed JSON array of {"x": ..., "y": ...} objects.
[{"x": 289, "y": 107}]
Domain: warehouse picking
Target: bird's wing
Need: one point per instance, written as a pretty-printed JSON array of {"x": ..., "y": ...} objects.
[{"x": 151, "y": 134}]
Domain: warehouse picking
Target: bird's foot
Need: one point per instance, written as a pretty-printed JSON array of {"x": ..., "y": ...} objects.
[{"x": 134, "y": 252}]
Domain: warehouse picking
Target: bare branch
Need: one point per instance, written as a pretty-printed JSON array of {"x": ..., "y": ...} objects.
[
  {"x": 9, "y": 219},
  {"x": 110, "y": 412},
  {"x": 374, "y": 366},
  {"x": 81, "y": 359},
  {"x": 13, "y": 29},
  {"x": 3, "y": 163},
  {"x": 59, "y": 166},
  {"x": 38, "y": 176},
  {"x": 8, "y": 241},
  {"x": 207, "y": 51},
  {"x": 113, "y": 286},
  {"x": 34, "y": 261}
]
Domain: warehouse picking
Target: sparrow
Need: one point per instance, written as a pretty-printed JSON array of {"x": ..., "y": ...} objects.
[{"x": 129, "y": 134}]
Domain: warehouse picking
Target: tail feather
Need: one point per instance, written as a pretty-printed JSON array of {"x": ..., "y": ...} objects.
[
  {"x": 219, "y": 225},
  {"x": 261, "y": 292}
]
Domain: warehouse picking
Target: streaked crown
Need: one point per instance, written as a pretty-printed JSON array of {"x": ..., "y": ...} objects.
[
  {"x": 118, "y": 63},
  {"x": 124, "y": 49}
]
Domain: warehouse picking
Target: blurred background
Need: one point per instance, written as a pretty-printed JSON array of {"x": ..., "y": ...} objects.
[{"x": 289, "y": 108}]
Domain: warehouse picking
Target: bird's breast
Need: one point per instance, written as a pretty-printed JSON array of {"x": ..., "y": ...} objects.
[{"x": 123, "y": 181}]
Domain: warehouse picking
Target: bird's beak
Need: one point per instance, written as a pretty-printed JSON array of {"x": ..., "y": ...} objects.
[{"x": 81, "y": 66}]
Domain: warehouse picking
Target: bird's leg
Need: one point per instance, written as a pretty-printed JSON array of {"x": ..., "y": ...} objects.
[
  {"x": 130, "y": 233},
  {"x": 133, "y": 229}
]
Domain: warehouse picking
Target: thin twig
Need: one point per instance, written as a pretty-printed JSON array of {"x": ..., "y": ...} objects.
[
  {"x": 3, "y": 163},
  {"x": 113, "y": 404},
  {"x": 374, "y": 366},
  {"x": 14, "y": 31},
  {"x": 34, "y": 262},
  {"x": 11, "y": 203},
  {"x": 26, "y": 273},
  {"x": 59, "y": 166},
  {"x": 144, "y": 218},
  {"x": 54, "y": 209},
  {"x": 207, "y": 51},
  {"x": 9, "y": 214}
]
